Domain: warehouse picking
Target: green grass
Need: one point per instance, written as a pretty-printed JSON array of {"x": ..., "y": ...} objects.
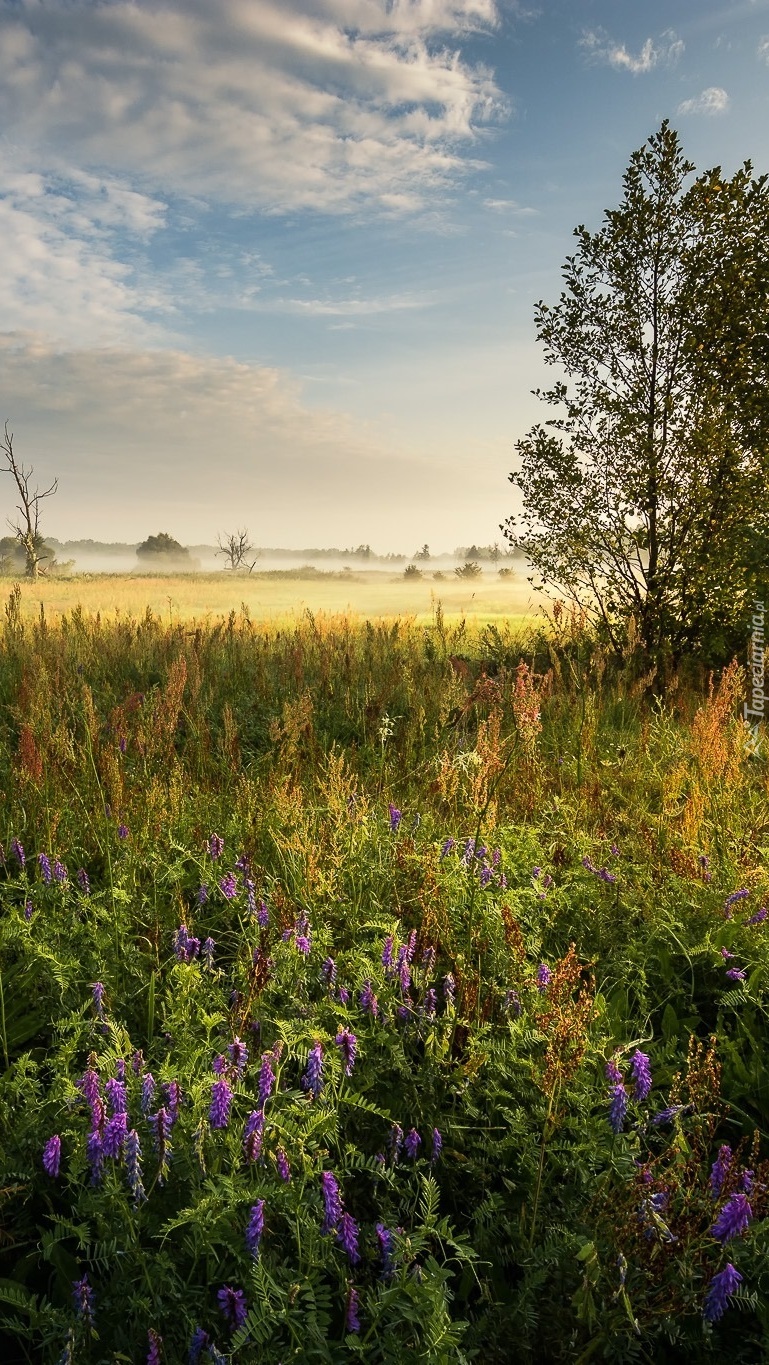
[{"x": 347, "y": 763}]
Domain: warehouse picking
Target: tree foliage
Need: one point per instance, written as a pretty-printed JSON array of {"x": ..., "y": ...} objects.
[
  {"x": 646, "y": 496},
  {"x": 162, "y": 546}
]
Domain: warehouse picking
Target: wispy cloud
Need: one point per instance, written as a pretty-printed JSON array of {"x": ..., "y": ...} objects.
[
  {"x": 714, "y": 100},
  {"x": 763, "y": 49},
  {"x": 355, "y": 307},
  {"x": 600, "y": 47},
  {"x": 510, "y": 206},
  {"x": 323, "y": 104}
]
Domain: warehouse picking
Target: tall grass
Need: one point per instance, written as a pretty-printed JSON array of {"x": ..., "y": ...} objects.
[{"x": 488, "y": 857}]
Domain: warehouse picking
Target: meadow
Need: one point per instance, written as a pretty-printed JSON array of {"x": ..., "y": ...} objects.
[{"x": 375, "y": 989}]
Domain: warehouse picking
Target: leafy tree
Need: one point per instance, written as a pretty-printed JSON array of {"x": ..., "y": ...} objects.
[
  {"x": 27, "y": 529},
  {"x": 647, "y": 496},
  {"x": 162, "y": 546},
  {"x": 471, "y": 569}
]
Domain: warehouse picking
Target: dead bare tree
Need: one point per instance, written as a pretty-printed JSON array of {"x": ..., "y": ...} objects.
[
  {"x": 26, "y": 529},
  {"x": 236, "y": 548}
]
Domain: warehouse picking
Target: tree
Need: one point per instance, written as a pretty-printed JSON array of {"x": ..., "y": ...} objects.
[
  {"x": 163, "y": 547},
  {"x": 470, "y": 569},
  {"x": 26, "y": 530},
  {"x": 647, "y": 496},
  {"x": 424, "y": 553},
  {"x": 237, "y": 550}
]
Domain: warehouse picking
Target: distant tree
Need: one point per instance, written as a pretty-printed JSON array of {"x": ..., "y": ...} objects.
[
  {"x": 470, "y": 569},
  {"x": 163, "y": 546},
  {"x": 424, "y": 553},
  {"x": 646, "y": 493},
  {"x": 237, "y": 551},
  {"x": 26, "y": 529},
  {"x": 411, "y": 571}
]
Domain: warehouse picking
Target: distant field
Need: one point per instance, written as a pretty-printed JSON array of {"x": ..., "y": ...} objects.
[{"x": 197, "y": 596}]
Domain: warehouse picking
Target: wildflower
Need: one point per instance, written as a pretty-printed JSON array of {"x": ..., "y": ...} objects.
[
  {"x": 448, "y": 845},
  {"x": 266, "y": 1078},
  {"x": 59, "y": 872},
  {"x": 736, "y": 974},
  {"x": 512, "y": 1004},
  {"x": 348, "y": 1045},
  {"x": 215, "y": 846},
  {"x": 198, "y": 1344},
  {"x": 29, "y": 910},
  {"x": 122, "y": 744},
  {"x": 232, "y": 1303},
  {"x": 396, "y": 1140},
  {"x": 281, "y": 1162},
  {"x": 614, "y": 851},
  {"x": 347, "y": 1237},
  {"x": 253, "y": 1135},
  {"x": 313, "y": 1077},
  {"x": 221, "y": 1099},
  {"x": 44, "y": 863},
  {"x": 328, "y": 972},
  {"x": 133, "y": 1157},
  {"x": 97, "y": 991},
  {"x": 726, "y": 954},
  {"x": 238, "y": 1055},
  {"x": 88, "y": 1085},
  {"x": 720, "y": 1289},
  {"x": 484, "y": 877},
  {"x": 115, "y": 1135},
  {"x": 589, "y": 864},
  {"x": 368, "y": 1001},
  {"x": 82, "y": 1298},
  {"x": 351, "y": 1319},
  {"x": 411, "y": 1144},
  {"x": 116, "y": 1096},
  {"x": 672, "y": 1112},
  {"x": 386, "y": 1246},
  {"x": 404, "y": 973},
  {"x": 344, "y": 995},
  {"x": 641, "y": 1073},
  {"x": 229, "y": 886},
  {"x": 302, "y": 944},
  {"x": 120, "y": 1069},
  {"x": 181, "y": 939},
  {"x": 17, "y": 849},
  {"x": 94, "y": 1151},
  {"x": 732, "y": 900},
  {"x": 720, "y": 1169},
  {"x": 208, "y": 952},
  {"x": 160, "y": 1124},
  {"x": 469, "y": 852},
  {"x": 759, "y": 916},
  {"x": 219, "y": 1065},
  {"x": 250, "y": 888},
  {"x": 395, "y": 818},
  {"x": 618, "y": 1107},
  {"x": 332, "y": 1201},
  {"x": 123, "y": 831},
  {"x": 148, "y": 1092},
  {"x": 262, "y": 915},
  {"x": 544, "y": 976},
  {"x": 437, "y": 1145},
  {"x": 428, "y": 960},
  {"x": 52, "y": 1156},
  {"x": 387, "y": 955},
  {"x": 67, "y": 1356},
  {"x": 449, "y": 989},
  {"x": 173, "y": 1093},
  {"x": 734, "y": 1218},
  {"x": 430, "y": 1003},
  {"x": 202, "y": 894},
  {"x": 137, "y": 1062},
  {"x": 255, "y": 1228}
]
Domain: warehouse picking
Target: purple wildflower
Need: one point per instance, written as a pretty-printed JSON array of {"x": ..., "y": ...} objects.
[
  {"x": 312, "y": 1080},
  {"x": 404, "y": 973},
  {"x": 347, "y": 1237},
  {"x": 233, "y": 1305},
  {"x": 302, "y": 944},
  {"x": 198, "y": 1344},
  {"x": 469, "y": 852},
  {"x": 328, "y": 972},
  {"x": 215, "y": 846},
  {"x": 343, "y": 995},
  {"x": 148, "y": 1092},
  {"x": 351, "y": 1319},
  {"x": 173, "y": 1093},
  {"x": 396, "y": 1140},
  {"x": 44, "y": 863},
  {"x": 29, "y": 910},
  {"x": 229, "y": 886},
  {"x": 733, "y": 899},
  {"x": 281, "y": 1162},
  {"x": 484, "y": 877},
  {"x": 512, "y": 1004},
  {"x": 386, "y": 1246},
  {"x": 734, "y": 1218},
  {"x": 253, "y": 1135},
  {"x": 720, "y": 1289},
  {"x": 618, "y": 1107},
  {"x": 116, "y": 1096},
  {"x": 52, "y": 1156},
  {"x": 238, "y": 1055},
  {"x": 255, "y": 1228},
  {"x": 430, "y": 1003},
  {"x": 368, "y": 1001},
  {"x": 137, "y": 1062},
  {"x": 88, "y": 1085},
  {"x": 411, "y": 1144},
  {"x": 219, "y": 1065},
  {"x": 202, "y": 894},
  {"x": 115, "y": 1135},
  {"x": 640, "y": 1070},
  {"x": 720, "y": 1169},
  {"x": 449, "y": 988},
  {"x": 736, "y": 974},
  {"x": 122, "y": 744},
  {"x": 448, "y": 846},
  {"x": 221, "y": 1099},
  {"x": 155, "y": 1341},
  {"x": 759, "y": 916},
  {"x": 181, "y": 939},
  {"x": 332, "y": 1201},
  {"x": 666, "y": 1115},
  {"x": 726, "y": 954},
  {"x": 160, "y": 1123},
  {"x": 208, "y": 950},
  {"x": 17, "y": 849},
  {"x": 123, "y": 831},
  {"x": 437, "y": 1145},
  {"x": 262, "y": 915},
  {"x": 59, "y": 872},
  {"x": 94, "y": 1151},
  {"x": 266, "y": 1078},
  {"x": 97, "y": 991},
  {"x": 387, "y": 955},
  {"x": 544, "y": 976},
  {"x": 428, "y": 960},
  {"x": 133, "y": 1158},
  {"x": 82, "y": 1298},
  {"x": 395, "y": 818},
  {"x": 347, "y": 1044}
]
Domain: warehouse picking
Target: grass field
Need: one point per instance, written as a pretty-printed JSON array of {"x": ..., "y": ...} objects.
[{"x": 270, "y": 597}]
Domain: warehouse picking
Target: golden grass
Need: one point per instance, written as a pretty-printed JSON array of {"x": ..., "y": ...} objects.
[{"x": 206, "y": 596}]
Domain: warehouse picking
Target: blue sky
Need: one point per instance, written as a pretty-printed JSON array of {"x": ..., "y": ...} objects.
[{"x": 274, "y": 262}]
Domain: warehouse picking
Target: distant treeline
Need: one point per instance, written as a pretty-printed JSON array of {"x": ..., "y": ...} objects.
[{"x": 359, "y": 552}]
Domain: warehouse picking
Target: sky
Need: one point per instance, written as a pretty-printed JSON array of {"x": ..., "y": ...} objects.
[{"x": 273, "y": 263}]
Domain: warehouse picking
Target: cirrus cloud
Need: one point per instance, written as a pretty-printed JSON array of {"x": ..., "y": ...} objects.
[
  {"x": 714, "y": 100},
  {"x": 600, "y": 47}
]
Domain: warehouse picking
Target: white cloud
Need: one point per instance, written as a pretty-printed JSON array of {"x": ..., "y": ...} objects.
[
  {"x": 714, "y": 100},
  {"x": 325, "y": 104},
  {"x": 763, "y": 49},
  {"x": 510, "y": 206},
  {"x": 600, "y": 47}
]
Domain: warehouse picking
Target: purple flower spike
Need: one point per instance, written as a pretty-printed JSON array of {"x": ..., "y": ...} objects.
[
  {"x": 332, "y": 1201},
  {"x": 148, "y": 1092},
  {"x": 229, "y": 886},
  {"x": 155, "y": 1341},
  {"x": 736, "y": 974},
  {"x": 133, "y": 1157},
  {"x": 759, "y": 916},
  {"x": 348, "y": 1045},
  {"x": 253, "y": 1135},
  {"x": 720, "y": 1169},
  {"x": 266, "y": 1078},
  {"x": 59, "y": 872},
  {"x": 29, "y": 910},
  {"x": 734, "y": 1218},
  {"x": 233, "y": 1305},
  {"x": 618, "y": 1108},
  {"x": 116, "y": 1096},
  {"x": 281, "y": 1161},
  {"x": 387, "y": 955},
  {"x": 82, "y": 1298},
  {"x": 255, "y": 1228},
  {"x": 52, "y": 1156},
  {"x": 411, "y": 1144},
  {"x": 396, "y": 1140},
  {"x": 238, "y": 1055},
  {"x": 215, "y": 846},
  {"x": 395, "y": 817},
  {"x": 221, "y": 1099},
  {"x": 347, "y": 1237},
  {"x": 368, "y": 1001},
  {"x": 720, "y": 1290},
  {"x": 386, "y": 1246},
  {"x": 202, "y": 894},
  {"x": 449, "y": 989},
  {"x": 447, "y": 847},
  {"x": 544, "y": 976},
  {"x": 115, "y": 1135},
  {"x": 437, "y": 1144},
  {"x": 262, "y": 915},
  {"x": 97, "y": 992},
  {"x": 17, "y": 849},
  {"x": 312, "y": 1081},
  {"x": 207, "y": 952},
  {"x": 640, "y": 1070},
  {"x": 123, "y": 831},
  {"x": 44, "y": 863},
  {"x": 351, "y": 1319},
  {"x": 198, "y": 1344},
  {"x": 328, "y": 972}
]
